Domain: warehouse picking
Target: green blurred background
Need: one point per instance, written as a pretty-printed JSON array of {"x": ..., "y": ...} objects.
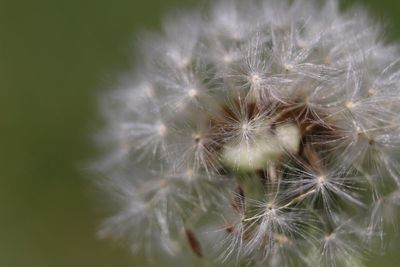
[{"x": 55, "y": 56}]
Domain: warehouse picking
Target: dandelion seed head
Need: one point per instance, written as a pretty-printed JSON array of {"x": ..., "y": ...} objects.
[{"x": 271, "y": 124}]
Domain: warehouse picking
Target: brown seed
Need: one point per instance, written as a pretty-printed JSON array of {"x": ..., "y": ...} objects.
[
  {"x": 238, "y": 201},
  {"x": 194, "y": 243},
  {"x": 228, "y": 227}
]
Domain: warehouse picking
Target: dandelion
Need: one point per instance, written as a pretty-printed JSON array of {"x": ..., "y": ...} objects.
[{"x": 256, "y": 133}]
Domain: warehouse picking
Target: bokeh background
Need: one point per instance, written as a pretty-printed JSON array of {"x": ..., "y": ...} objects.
[{"x": 55, "y": 57}]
